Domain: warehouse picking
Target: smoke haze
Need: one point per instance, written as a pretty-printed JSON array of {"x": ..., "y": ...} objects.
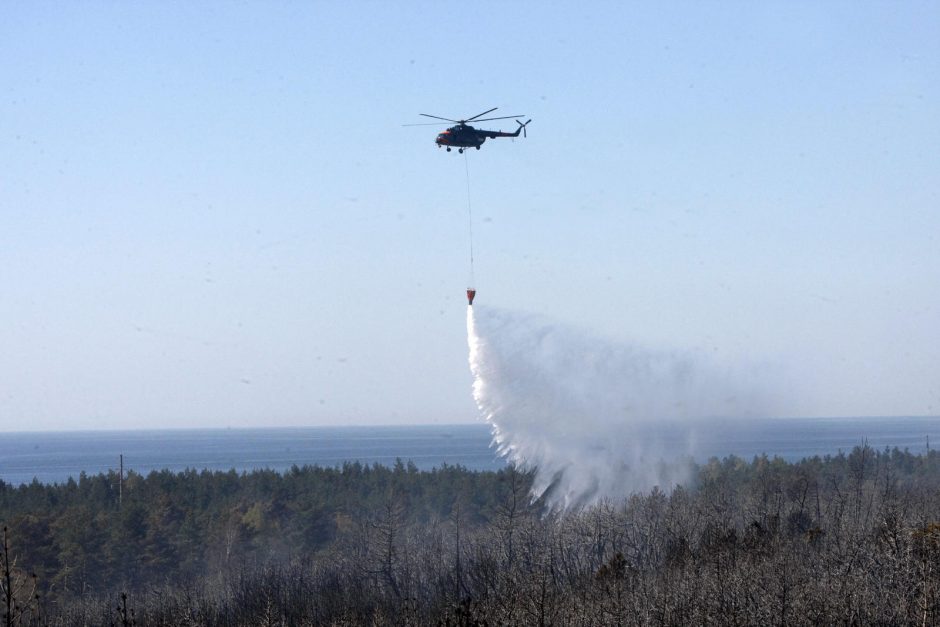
[{"x": 597, "y": 419}]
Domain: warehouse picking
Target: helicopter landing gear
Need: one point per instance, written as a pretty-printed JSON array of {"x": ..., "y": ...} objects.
[
  {"x": 448, "y": 149},
  {"x": 478, "y": 147},
  {"x": 460, "y": 151}
]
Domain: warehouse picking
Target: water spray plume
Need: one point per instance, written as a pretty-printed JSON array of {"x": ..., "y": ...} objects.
[{"x": 588, "y": 414}]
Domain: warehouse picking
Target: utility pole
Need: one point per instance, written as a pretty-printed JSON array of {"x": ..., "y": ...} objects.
[{"x": 121, "y": 481}]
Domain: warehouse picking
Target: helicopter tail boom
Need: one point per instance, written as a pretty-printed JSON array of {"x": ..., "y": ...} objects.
[{"x": 494, "y": 134}]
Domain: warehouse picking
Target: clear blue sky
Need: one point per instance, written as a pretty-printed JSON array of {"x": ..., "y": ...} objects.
[{"x": 210, "y": 214}]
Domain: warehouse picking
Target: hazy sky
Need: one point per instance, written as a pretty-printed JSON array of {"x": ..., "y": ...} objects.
[{"x": 210, "y": 214}]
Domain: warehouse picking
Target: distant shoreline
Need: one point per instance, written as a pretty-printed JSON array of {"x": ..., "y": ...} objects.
[
  {"x": 54, "y": 456},
  {"x": 478, "y": 423}
]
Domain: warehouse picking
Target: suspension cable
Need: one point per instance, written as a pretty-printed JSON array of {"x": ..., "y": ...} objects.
[{"x": 469, "y": 216}]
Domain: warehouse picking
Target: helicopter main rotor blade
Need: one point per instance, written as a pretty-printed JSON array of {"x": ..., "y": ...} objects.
[
  {"x": 439, "y": 117},
  {"x": 427, "y": 124},
  {"x": 502, "y": 118},
  {"x": 479, "y": 114}
]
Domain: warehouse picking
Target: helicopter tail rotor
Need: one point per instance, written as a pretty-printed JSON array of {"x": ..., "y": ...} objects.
[{"x": 522, "y": 126}]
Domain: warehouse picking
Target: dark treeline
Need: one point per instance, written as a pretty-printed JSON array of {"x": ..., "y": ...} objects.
[
  {"x": 94, "y": 535},
  {"x": 852, "y": 538}
]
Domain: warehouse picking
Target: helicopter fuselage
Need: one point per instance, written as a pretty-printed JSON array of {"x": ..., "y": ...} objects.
[
  {"x": 465, "y": 136},
  {"x": 461, "y": 136}
]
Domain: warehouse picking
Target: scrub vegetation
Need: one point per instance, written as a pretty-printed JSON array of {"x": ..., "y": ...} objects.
[{"x": 852, "y": 538}]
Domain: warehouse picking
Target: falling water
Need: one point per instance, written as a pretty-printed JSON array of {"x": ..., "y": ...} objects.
[{"x": 587, "y": 413}]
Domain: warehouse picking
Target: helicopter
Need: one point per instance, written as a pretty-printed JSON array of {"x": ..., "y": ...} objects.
[{"x": 465, "y": 136}]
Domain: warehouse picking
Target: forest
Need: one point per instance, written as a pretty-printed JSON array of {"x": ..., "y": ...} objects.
[{"x": 852, "y": 538}]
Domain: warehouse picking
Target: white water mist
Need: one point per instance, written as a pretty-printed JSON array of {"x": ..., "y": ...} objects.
[{"x": 589, "y": 414}]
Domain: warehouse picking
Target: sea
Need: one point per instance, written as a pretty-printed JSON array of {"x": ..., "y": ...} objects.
[{"x": 54, "y": 457}]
